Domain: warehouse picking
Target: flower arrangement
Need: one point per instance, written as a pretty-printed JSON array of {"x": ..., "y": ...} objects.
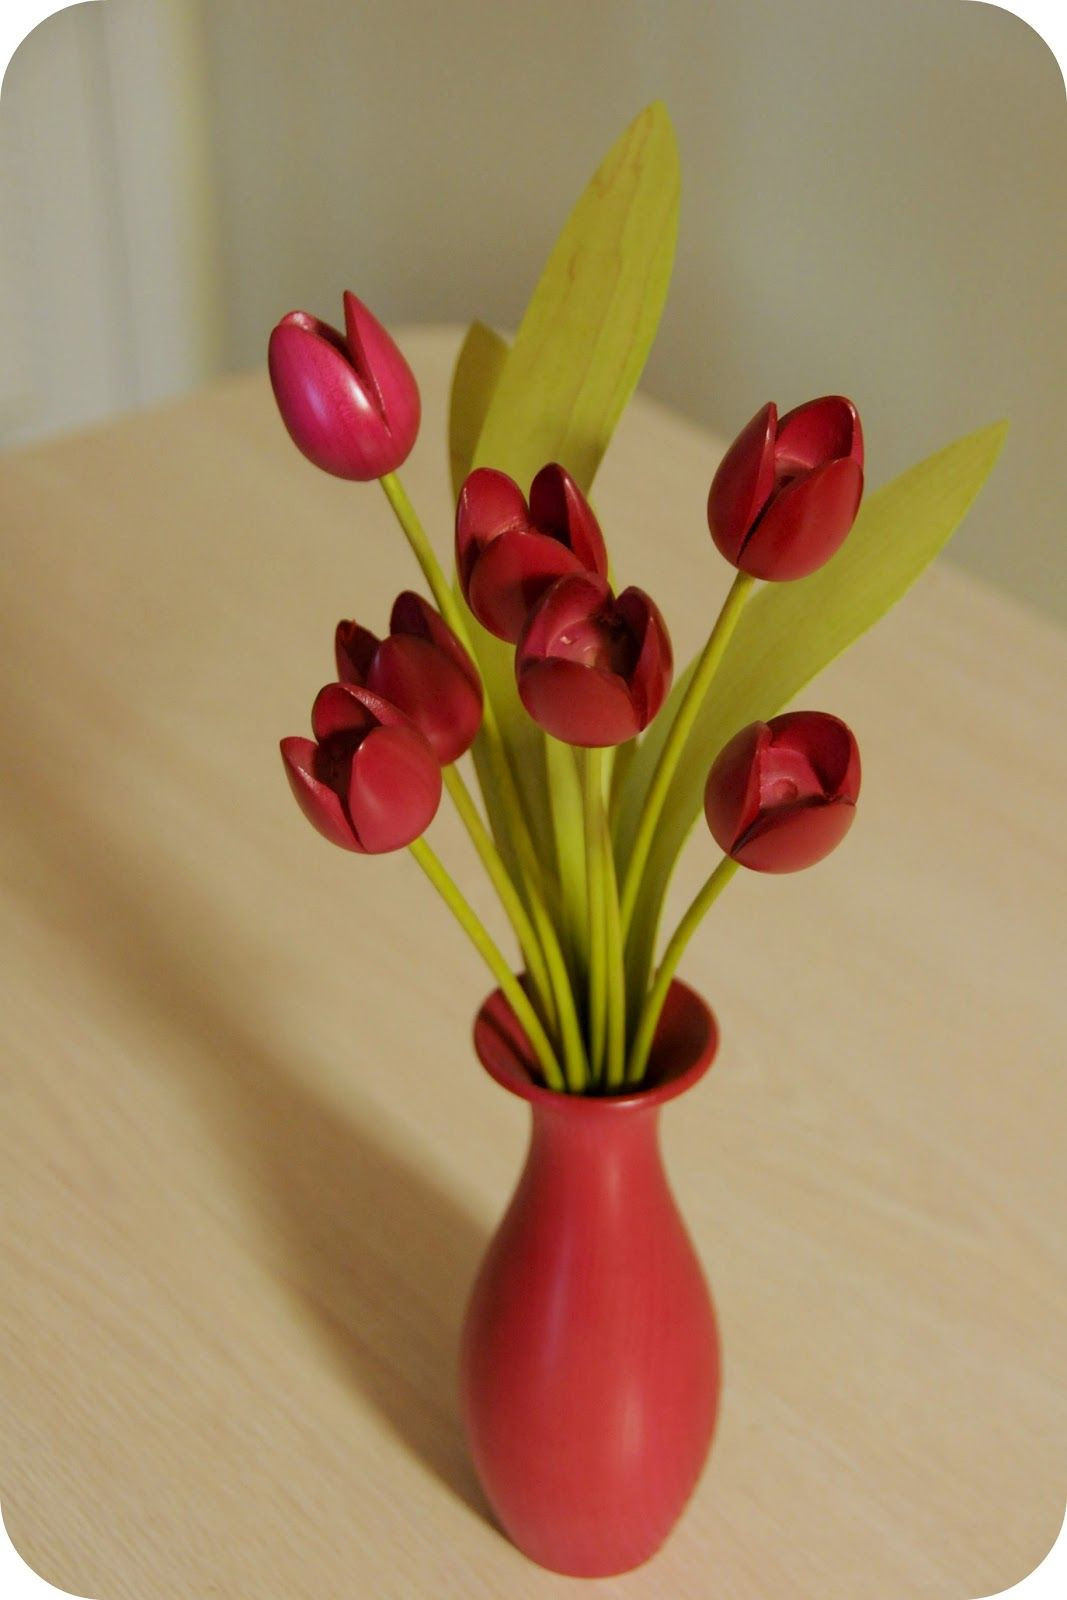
[
  {"x": 590, "y": 668},
  {"x": 592, "y": 770}
]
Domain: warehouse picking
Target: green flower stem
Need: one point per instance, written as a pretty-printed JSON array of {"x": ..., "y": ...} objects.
[
  {"x": 616, "y": 973},
  {"x": 594, "y": 859},
  {"x": 675, "y": 744},
  {"x": 646, "y": 1028},
  {"x": 568, "y": 830},
  {"x": 480, "y": 939},
  {"x": 510, "y": 897},
  {"x": 433, "y": 572},
  {"x": 452, "y": 612},
  {"x": 570, "y": 1031},
  {"x": 543, "y": 957},
  {"x": 623, "y": 756},
  {"x": 504, "y": 778}
]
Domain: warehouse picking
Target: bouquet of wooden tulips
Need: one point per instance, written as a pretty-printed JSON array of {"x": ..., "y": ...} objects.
[{"x": 591, "y": 769}]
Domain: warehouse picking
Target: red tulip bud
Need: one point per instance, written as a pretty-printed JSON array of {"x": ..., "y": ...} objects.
[
  {"x": 591, "y": 669},
  {"x": 786, "y": 493},
  {"x": 371, "y": 783},
  {"x": 422, "y": 669},
  {"x": 782, "y": 794},
  {"x": 508, "y": 553},
  {"x": 349, "y": 401}
]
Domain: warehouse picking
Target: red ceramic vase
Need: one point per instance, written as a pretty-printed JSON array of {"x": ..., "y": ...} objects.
[{"x": 589, "y": 1370}]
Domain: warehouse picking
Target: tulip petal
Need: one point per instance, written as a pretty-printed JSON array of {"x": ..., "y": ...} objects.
[
  {"x": 731, "y": 794},
  {"x": 353, "y": 648},
  {"x": 821, "y": 430},
  {"x": 432, "y": 690},
  {"x": 791, "y": 840},
  {"x": 581, "y": 705},
  {"x": 804, "y": 524},
  {"x": 650, "y": 679},
  {"x": 828, "y": 744},
  {"x": 324, "y": 330},
  {"x": 567, "y": 604},
  {"x": 743, "y": 482},
  {"x": 490, "y": 503},
  {"x": 559, "y": 508},
  {"x": 349, "y": 708},
  {"x": 390, "y": 382},
  {"x": 320, "y": 804},
  {"x": 394, "y": 789},
  {"x": 510, "y": 577},
  {"x": 414, "y": 615}
]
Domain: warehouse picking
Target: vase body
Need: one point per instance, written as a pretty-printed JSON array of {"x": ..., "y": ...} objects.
[{"x": 589, "y": 1367}]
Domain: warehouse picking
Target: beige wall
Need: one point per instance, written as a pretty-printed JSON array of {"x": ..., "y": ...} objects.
[{"x": 873, "y": 199}]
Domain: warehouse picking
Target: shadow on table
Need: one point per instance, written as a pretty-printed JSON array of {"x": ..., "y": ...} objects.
[{"x": 376, "y": 1252}]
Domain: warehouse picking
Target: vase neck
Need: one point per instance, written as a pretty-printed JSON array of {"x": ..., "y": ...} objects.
[{"x": 608, "y": 1156}]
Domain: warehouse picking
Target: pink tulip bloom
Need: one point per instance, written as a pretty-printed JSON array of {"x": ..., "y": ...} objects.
[
  {"x": 786, "y": 493},
  {"x": 422, "y": 669},
  {"x": 782, "y": 794},
  {"x": 508, "y": 553},
  {"x": 349, "y": 401},
  {"x": 368, "y": 781},
  {"x": 593, "y": 669}
]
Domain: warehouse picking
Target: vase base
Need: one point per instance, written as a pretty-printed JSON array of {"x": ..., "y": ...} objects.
[{"x": 591, "y": 1570}]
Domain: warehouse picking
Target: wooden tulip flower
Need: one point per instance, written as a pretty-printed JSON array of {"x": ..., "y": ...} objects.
[
  {"x": 422, "y": 669},
  {"x": 509, "y": 552},
  {"x": 349, "y": 400},
  {"x": 786, "y": 492},
  {"x": 593, "y": 669},
  {"x": 782, "y": 501},
  {"x": 782, "y": 794},
  {"x": 368, "y": 781}
]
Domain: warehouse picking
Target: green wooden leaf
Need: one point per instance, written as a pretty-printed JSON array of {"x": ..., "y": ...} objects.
[
  {"x": 790, "y": 631},
  {"x": 559, "y": 391},
  {"x": 478, "y": 367},
  {"x": 523, "y": 740},
  {"x": 587, "y": 331}
]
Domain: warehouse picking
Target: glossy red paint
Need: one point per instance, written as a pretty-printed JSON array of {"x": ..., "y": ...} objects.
[
  {"x": 590, "y": 1357},
  {"x": 421, "y": 668},
  {"x": 786, "y": 493},
  {"x": 509, "y": 552},
  {"x": 782, "y": 794},
  {"x": 349, "y": 400},
  {"x": 593, "y": 669}
]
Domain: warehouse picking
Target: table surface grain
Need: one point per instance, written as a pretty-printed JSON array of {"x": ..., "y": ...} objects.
[{"x": 249, "y": 1163}]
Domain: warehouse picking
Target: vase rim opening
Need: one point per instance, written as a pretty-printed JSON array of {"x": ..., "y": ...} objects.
[{"x": 684, "y": 1047}]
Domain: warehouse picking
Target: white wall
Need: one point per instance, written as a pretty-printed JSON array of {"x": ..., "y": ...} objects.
[
  {"x": 874, "y": 199},
  {"x": 109, "y": 275}
]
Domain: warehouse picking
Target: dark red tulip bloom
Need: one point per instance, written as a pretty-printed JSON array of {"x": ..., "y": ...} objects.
[
  {"x": 370, "y": 783},
  {"x": 508, "y": 553},
  {"x": 786, "y": 493},
  {"x": 592, "y": 669},
  {"x": 422, "y": 669},
  {"x": 782, "y": 794},
  {"x": 349, "y": 401}
]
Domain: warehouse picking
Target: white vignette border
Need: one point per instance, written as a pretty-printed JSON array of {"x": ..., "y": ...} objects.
[{"x": 1048, "y": 1581}]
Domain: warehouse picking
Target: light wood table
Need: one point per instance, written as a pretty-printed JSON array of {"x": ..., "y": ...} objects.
[{"x": 250, "y": 1164}]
